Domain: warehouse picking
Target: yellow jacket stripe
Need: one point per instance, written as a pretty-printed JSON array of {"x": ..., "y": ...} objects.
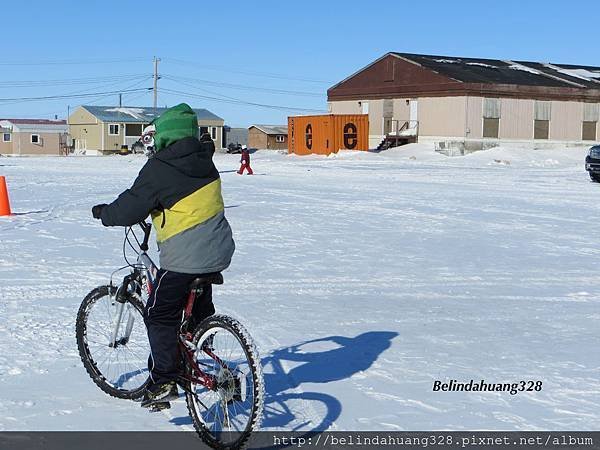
[{"x": 188, "y": 212}]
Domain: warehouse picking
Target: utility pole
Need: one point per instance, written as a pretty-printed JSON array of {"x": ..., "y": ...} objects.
[
  {"x": 120, "y": 100},
  {"x": 156, "y": 61}
]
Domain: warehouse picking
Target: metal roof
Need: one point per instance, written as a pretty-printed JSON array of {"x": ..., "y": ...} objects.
[
  {"x": 524, "y": 73},
  {"x": 272, "y": 129},
  {"x": 34, "y": 125},
  {"x": 35, "y": 121},
  {"x": 137, "y": 114}
]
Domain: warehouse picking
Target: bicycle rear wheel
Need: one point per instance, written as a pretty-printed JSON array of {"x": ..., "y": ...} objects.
[
  {"x": 225, "y": 416},
  {"x": 118, "y": 368}
]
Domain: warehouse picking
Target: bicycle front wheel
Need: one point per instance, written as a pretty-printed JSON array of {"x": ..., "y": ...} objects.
[
  {"x": 113, "y": 343},
  {"x": 225, "y": 414}
]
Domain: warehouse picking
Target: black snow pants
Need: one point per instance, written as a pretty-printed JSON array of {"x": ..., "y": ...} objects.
[{"x": 163, "y": 315}]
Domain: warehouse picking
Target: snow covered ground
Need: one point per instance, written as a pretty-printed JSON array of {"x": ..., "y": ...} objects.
[{"x": 363, "y": 278}]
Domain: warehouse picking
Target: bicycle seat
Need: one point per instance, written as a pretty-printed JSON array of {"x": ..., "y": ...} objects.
[{"x": 206, "y": 279}]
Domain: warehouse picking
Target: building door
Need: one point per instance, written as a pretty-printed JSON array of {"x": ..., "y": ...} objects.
[
  {"x": 388, "y": 115},
  {"x": 387, "y": 125},
  {"x": 414, "y": 113}
]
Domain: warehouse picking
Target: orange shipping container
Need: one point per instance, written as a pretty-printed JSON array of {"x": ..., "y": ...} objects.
[{"x": 328, "y": 133}]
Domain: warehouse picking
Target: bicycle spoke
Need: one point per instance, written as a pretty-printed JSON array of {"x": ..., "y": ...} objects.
[{"x": 122, "y": 366}]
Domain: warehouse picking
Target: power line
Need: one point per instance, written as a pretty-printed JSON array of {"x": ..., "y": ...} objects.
[
  {"x": 257, "y": 74},
  {"x": 54, "y": 97},
  {"x": 190, "y": 81},
  {"x": 241, "y": 102},
  {"x": 81, "y": 91},
  {"x": 235, "y": 100},
  {"x": 135, "y": 97},
  {"x": 72, "y": 81},
  {"x": 71, "y": 62}
]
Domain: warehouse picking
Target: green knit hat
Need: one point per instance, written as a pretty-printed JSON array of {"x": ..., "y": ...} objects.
[{"x": 175, "y": 124}]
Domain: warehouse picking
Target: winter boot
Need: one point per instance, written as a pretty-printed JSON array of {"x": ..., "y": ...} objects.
[{"x": 160, "y": 393}]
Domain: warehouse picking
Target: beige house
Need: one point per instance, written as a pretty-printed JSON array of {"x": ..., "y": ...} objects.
[
  {"x": 33, "y": 137},
  {"x": 468, "y": 104},
  {"x": 273, "y": 137},
  {"x": 107, "y": 129}
]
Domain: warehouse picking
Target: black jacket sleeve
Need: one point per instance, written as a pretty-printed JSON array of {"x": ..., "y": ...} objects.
[{"x": 135, "y": 203}]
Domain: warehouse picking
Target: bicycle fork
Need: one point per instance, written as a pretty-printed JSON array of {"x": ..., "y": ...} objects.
[{"x": 121, "y": 300}]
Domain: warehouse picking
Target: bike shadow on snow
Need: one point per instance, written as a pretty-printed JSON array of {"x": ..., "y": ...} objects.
[
  {"x": 24, "y": 213},
  {"x": 286, "y": 405}
]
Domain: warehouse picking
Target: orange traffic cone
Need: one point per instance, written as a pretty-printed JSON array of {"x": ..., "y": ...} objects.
[{"x": 4, "y": 203}]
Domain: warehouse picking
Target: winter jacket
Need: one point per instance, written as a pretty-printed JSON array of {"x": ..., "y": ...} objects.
[
  {"x": 180, "y": 187},
  {"x": 245, "y": 159}
]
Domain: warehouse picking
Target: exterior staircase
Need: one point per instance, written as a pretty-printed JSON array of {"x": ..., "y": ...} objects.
[{"x": 405, "y": 134}]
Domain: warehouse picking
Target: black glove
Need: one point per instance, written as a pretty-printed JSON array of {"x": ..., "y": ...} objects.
[{"x": 97, "y": 210}]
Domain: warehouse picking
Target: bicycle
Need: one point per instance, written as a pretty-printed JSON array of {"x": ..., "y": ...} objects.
[{"x": 222, "y": 373}]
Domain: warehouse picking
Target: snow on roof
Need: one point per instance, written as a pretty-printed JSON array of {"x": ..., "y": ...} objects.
[
  {"x": 481, "y": 65},
  {"x": 35, "y": 121},
  {"x": 583, "y": 74},
  {"x": 272, "y": 129},
  {"x": 527, "y": 73},
  {"x": 517, "y": 66},
  {"x": 34, "y": 125},
  {"x": 137, "y": 113}
]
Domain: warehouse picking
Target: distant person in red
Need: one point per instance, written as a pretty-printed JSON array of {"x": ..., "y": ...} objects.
[{"x": 245, "y": 160}]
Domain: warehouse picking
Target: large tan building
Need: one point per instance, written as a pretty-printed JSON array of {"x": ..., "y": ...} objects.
[
  {"x": 107, "y": 129},
  {"x": 470, "y": 104},
  {"x": 33, "y": 137}
]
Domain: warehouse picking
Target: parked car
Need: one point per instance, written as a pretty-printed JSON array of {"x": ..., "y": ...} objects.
[
  {"x": 592, "y": 163},
  {"x": 137, "y": 147},
  {"x": 234, "y": 148}
]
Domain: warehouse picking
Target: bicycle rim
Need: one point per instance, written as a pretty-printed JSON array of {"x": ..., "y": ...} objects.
[
  {"x": 119, "y": 370},
  {"x": 225, "y": 417}
]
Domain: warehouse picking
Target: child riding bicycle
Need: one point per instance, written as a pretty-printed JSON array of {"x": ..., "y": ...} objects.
[{"x": 180, "y": 187}]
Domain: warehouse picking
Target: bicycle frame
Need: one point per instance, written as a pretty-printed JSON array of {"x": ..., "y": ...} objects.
[
  {"x": 146, "y": 269},
  {"x": 188, "y": 350}
]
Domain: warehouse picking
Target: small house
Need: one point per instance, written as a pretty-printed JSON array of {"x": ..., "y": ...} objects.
[
  {"x": 33, "y": 137},
  {"x": 108, "y": 129},
  {"x": 272, "y": 137}
]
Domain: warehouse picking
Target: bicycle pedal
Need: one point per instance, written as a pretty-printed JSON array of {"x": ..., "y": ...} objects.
[{"x": 159, "y": 406}]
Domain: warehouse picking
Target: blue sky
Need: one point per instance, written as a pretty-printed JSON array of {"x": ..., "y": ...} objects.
[{"x": 282, "y": 54}]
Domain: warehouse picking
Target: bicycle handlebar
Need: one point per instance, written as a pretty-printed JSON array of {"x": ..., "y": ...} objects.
[{"x": 146, "y": 227}]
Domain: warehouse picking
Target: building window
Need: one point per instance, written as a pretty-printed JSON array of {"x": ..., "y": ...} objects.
[
  {"x": 35, "y": 138},
  {"x": 6, "y": 137},
  {"x": 588, "y": 131},
  {"x": 280, "y": 138},
  {"x": 541, "y": 124},
  {"x": 113, "y": 129},
  {"x": 492, "y": 109},
  {"x": 541, "y": 129},
  {"x": 491, "y": 128},
  {"x": 213, "y": 133},
  {"x": 591, "y": 116}
]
